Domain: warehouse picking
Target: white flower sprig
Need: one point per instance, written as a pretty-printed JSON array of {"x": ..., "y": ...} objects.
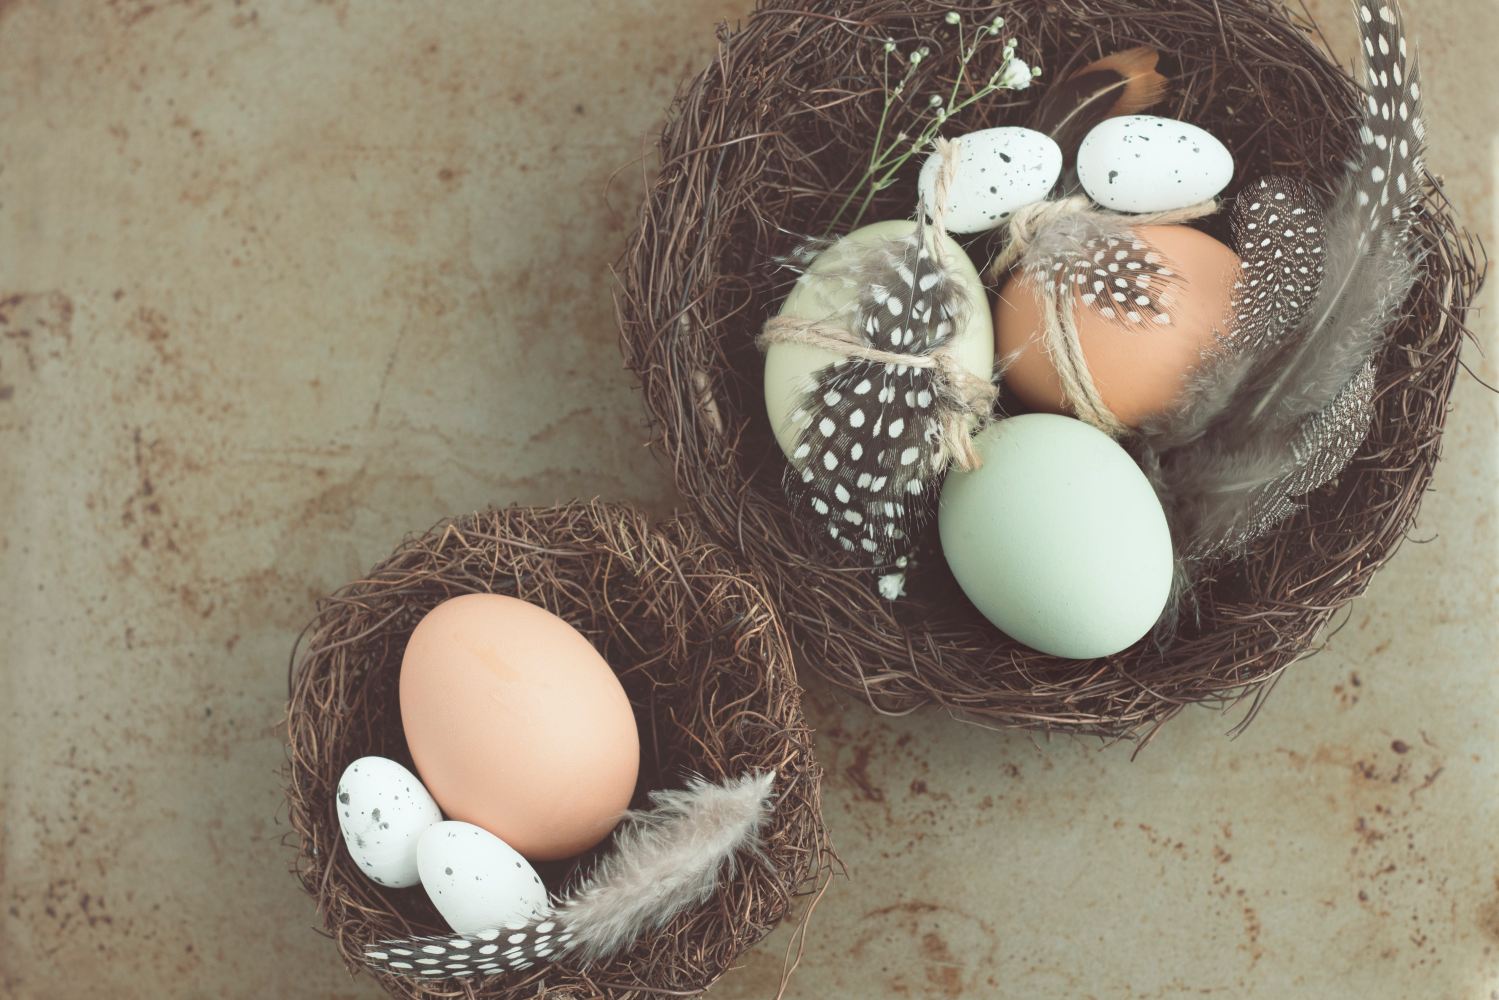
[{"x": 888, "y": 156}]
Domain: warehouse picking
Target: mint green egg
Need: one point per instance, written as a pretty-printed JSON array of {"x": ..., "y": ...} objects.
[{"x": 1058, "y": 539}]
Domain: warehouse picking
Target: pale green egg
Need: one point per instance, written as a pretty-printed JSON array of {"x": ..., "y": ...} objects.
[
  {"x": 1058, "y": 539},
  {"x": 820, "y": 295}
]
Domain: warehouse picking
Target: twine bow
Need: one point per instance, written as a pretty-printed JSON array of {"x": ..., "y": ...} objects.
[
  {"x": 962, "y": 398},
  {"x": 963, "y": 401},
  {"x": 1059, "y": 336}
]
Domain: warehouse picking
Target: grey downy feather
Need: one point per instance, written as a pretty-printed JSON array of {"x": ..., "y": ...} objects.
[{"x": 1286, "y": 400}]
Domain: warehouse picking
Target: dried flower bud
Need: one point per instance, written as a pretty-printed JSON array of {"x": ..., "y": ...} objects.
[{"x": 1016, "y": 75}]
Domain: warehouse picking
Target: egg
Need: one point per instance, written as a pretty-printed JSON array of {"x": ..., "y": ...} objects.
[
  {"x": 1058, "y": 538},
  {"x": 817, "y": 295},
  {"x": 1142, "y": 163},
  {"x": 476, "y": 880},
  {"x": 998, "y": 171},
  {"x": 1140, "y": 368},
  {"x": 383, "y": 810},
  {"x": 517, "y": 725}
]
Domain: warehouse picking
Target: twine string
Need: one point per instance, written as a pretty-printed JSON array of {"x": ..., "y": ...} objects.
[
  {"x": 942, "y": 184},
  {"x": 1059, "y": 335},
  {"x": 963, "y": 400}
]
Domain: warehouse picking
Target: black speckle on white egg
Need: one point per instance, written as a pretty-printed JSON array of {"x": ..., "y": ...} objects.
[
  {"x": 999, "y": 170},
  {"x": 1121, "y": 169}
]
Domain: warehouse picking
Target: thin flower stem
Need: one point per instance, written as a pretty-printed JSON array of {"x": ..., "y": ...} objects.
[
  {"x": 879, "y": 133},
  {"x": 887, "y": 160}
]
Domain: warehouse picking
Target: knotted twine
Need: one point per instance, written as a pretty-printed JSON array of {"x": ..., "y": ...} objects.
[
  {"x": 962, "y": 400},
  {"x": 1058, "y": 334}
]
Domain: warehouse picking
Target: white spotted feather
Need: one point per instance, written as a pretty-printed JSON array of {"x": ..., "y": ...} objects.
[
  {"x": 1105, "y": 268},
  {"x": 1282, "y": 407},
  {"x": 869, "y": 450}
]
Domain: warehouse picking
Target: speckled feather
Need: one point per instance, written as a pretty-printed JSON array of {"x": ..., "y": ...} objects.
[
  {"x": 1278, "y": 228},
  {"x": 869, "y": 449},
  {"x": 1284, "y": 405},
  {"x": 510, "y": 948},
  {"x": 1114, "y": 273}
]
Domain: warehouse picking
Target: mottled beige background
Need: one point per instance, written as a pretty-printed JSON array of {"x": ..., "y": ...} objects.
[{"x": 281, "y": 281}]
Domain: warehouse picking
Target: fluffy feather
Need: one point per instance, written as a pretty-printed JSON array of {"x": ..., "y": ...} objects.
[
  {"x": 664, "y": 860},
  {"x": 1124, "y": 83},
  {"x": 1286, "y": 401}
]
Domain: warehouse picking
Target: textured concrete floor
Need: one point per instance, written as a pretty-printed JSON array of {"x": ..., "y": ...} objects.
[{"x": 281, "y": 281}]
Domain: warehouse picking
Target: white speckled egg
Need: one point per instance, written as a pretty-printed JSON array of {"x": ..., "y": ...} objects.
[
  {"x": 476, "y": 880},
  {"x": 999, "y": 170},
  {"x": 1058, "y": 539},
  {"x": 383, "y": 810},
  {"x": 1142, "y": 163},
  {"x": 819, "y": 294}
]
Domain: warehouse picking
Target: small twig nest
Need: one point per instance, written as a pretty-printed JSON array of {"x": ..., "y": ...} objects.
[
  {"x": 759, "y": 151},
  {"x": 701, "y": 655}
]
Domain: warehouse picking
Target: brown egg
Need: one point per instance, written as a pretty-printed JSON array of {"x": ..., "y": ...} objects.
[
  {"x": 517, "y": 725},
  {"x": 1140, "y": 366}
]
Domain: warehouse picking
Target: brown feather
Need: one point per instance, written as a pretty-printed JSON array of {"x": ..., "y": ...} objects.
[{"x": 1124, "y": 83}]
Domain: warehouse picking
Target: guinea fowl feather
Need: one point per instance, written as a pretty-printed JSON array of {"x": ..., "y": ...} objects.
[
  {"x": 1284, "y": 402},
  {"x": 870, "y": 447}
]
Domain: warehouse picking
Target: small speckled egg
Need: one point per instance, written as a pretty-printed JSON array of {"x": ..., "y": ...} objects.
[
  {"x": 1058, "y": 539},
  {"x": 383, "y": 811},
  {"x": 476, "y": 880},
  {"x": 1142, "y": 163},
  {"x": 999, "y": 170}
]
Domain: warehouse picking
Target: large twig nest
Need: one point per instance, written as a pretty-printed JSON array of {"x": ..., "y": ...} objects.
[
  {"x": 758, "y": 152},
  {"x": 707, "y": 668}
]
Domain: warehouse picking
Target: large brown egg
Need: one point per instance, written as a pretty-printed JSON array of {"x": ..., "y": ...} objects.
[
  {"x": 1139, "y": 365},
  {"x": 517, "y": 725}
]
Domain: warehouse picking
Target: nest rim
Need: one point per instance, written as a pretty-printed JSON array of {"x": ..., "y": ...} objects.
[
  {"x": 750, "y": 153},
  {"x": 708, "y": 670}
]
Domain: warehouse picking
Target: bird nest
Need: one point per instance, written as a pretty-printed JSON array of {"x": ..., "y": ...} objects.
[
  {"x": 702, "y": 657},
  {"x": 759, "y": 152}
]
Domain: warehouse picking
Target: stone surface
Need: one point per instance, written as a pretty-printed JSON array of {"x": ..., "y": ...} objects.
[{"x": 280, "y": 282}]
